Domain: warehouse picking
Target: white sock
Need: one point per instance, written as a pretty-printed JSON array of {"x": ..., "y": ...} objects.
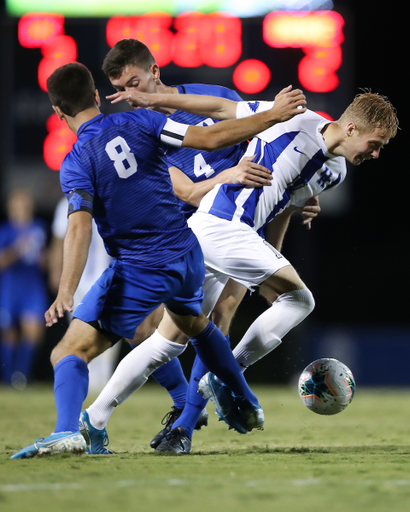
[
  {"x": 132, "y": 373},
  {"x": 267, "y": 331}
]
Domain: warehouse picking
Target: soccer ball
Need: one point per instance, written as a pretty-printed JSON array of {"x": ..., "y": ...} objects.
[{"x": 326, "y": 386}]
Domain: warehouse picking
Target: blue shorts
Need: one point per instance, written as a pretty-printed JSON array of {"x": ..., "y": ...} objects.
[{"x": 127, "y": 293}]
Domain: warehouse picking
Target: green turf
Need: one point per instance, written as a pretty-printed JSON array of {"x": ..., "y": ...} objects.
[{"x": 358, "y": 460}]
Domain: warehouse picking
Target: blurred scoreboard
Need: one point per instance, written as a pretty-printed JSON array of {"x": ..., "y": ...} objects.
[{"x": 255, "y": 50}]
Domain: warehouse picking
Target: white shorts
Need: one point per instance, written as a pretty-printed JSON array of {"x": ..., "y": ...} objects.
[{"x": 232, "y": 250}]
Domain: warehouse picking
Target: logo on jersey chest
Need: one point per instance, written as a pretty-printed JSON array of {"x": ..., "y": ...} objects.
[{"x": 326, "y": 177}]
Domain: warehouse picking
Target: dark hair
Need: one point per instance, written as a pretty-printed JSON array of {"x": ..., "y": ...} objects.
[
  {"x": 127, "y": 52},
  {"x": 71, "y": 88}
]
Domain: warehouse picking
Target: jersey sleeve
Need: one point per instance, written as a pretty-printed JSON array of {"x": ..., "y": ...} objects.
[
  {"x": 168, "y": 131},
  {"x": 75, "y": 176},
  {"x": 77, "y": 183},
  {"x": 249, "y": 108},
  {"x": 173, "y": 133}
]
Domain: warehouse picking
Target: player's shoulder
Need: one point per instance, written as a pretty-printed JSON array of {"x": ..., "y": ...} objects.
[
  {"x": 137, "y": 119},
  {"x": 309, "y": 122},
  {"x": 210, "y": 90}
]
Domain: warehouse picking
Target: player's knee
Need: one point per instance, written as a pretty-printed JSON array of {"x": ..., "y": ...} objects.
[
  {"x": 303, "y": 298},
  {"x": 308, "y": 300}
]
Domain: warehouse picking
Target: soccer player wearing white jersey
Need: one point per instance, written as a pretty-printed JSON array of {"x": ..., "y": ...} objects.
[{"x": 306, "y": 156}]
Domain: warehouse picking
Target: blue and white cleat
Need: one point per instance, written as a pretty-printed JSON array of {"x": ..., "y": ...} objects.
[
  {"x": 59, "y": 442},
  {"x": 96, "y": 439},
  {"x": 253, "y": 415},
  {"x": 224, "y": 402}
]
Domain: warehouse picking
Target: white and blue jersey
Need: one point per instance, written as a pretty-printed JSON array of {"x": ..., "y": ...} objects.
[
  {"x": 301, "y": 165},
  {"x": 201, "y": 165},
  {"x": 119, "y": 161}
]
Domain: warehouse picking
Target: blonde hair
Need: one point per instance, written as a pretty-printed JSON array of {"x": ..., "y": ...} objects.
[{"x": 370, "y": 111}]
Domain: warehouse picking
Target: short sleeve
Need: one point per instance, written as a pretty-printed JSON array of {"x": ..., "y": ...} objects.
[
  {"x": 249, "y": 108},
  {"x": 173, "y": 133},
  {"x": 75, "y": 176}
]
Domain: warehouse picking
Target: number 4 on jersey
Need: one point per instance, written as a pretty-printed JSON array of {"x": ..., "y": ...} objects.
[
  {"x": 201, "y": 167},
  {"x": 124, "y": 161}
]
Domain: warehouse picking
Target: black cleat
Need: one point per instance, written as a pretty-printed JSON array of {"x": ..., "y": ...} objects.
[
  {"x": 175, "y": 441},
  {"x": 170, "y": 418}
]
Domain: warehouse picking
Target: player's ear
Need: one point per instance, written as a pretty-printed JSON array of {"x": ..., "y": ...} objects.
[
  {"x": 350, "y": 129},
  {"x": 59, "y": 113},
  {"x": 97, "y": 98},
  {"x": 155, "y": 72}
]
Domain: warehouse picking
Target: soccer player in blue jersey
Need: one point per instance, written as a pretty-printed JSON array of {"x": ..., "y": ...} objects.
[
  {"x": 307, "y": 156},
  {"x": 130, "y": 66},
  {"x": 117, "y": 173},
  {"x": 23, "y": 289}
]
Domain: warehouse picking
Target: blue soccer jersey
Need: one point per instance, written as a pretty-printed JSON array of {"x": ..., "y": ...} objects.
[
  {"x": 23, "y": 287},
  {"x": 201, "y": 165},
  {"x": 120, "y": 162}
]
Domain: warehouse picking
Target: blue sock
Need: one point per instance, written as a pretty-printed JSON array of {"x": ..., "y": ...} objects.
[
  {"x": 171, "y": 376},
  {"x": 194, "y": 400},
  {"x": 214, "y": 352},
  {"x": 25, "y": 357},
  {"x": 70, "y": 391}
]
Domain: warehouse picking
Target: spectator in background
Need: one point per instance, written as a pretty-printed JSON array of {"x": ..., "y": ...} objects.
[
  {"x": 23, "y": 288},
  {"x": 102, "y": 367}
]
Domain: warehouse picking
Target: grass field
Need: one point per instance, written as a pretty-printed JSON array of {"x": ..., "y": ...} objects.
[{"x": 358, "y": 460}]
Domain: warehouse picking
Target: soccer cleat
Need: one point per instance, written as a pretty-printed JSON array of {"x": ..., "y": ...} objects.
[
  {"x": 175, "y": 441},
  {"x": 253, "y": 415},
  {"x": 96, "y": 439},
  {"x": 59, "y": 442},
  {"x": 170, "y": 418},
  {"x": 224, "y": 402}
]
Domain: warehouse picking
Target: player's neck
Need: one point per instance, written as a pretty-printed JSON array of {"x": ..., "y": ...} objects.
[
  {"x": 166, "y": 89},
  {"x": 333, "y": 137},
  {"x": 74, "y": 123}
]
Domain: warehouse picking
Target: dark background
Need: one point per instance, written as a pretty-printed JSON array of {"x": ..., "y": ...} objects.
[{"x": 355, "y": 263}]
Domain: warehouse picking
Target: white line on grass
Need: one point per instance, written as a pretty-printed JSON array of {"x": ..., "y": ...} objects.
[{"x": 178, "y": 482}]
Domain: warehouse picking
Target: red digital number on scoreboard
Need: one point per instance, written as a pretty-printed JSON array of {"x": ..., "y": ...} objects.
[
  {"x": 319, "y": 34},
  {"x": 199, "y": 39},
  {"x": 193, "y": 39}
]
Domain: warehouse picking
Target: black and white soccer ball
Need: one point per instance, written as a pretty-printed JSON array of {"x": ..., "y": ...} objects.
[{"x": 326, "y": 386}]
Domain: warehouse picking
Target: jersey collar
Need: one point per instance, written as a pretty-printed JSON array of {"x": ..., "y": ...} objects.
[{"x": 85, "y": 125}]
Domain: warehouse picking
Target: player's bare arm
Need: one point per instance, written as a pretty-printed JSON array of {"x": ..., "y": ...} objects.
[
  {"x": 276, "y": 230},
  {"x": 288, "y": 103},
  {"x": 210, "y": 106},
  {"x": 76, "y": 245},
  {"x": 247, "y": 173},
  {"x": 309, "y": 211}
]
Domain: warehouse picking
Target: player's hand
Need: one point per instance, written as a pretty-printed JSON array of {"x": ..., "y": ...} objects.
[
  {"x": 288, "y": 103},
  {"x": 63, "y": 302},
  {"x": 133, "y": 98},
  {"x": 250, "y": 174},
  {"x": 310, "y": 210}
]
